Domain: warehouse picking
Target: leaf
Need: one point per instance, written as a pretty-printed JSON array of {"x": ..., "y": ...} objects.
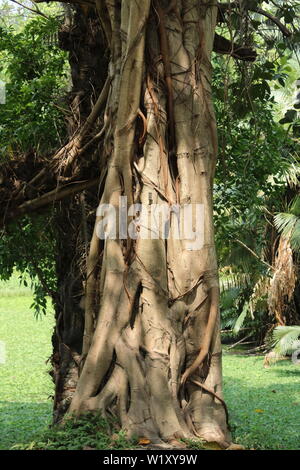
[
  {"x": 285, "y": 222},
  {"x": 239, "y": 323},
  {"x": 143, "y": 441},
  {"x": 286, "y": 339},
  {"x": 289, "y": 225},
  {"x": 229, "y": 296},
  {"x": 258, "y": 410},
  {"x": 295, "y": 206}
]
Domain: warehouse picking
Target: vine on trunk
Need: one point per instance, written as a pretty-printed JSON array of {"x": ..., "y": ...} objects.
[{"x": 151, "y": 349}]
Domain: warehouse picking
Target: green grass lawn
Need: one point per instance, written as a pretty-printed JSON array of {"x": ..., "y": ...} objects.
[
  {"x": 25, "y": 384},
  {"x": 264, "y": 404}
]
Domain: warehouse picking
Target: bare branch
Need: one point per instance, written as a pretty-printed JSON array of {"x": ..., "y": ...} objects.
[
  {"x": 224, "y": 46},
  {"x": 254, "y": 254},
  {"x": 53, "y": 196},
  {"x": 37, "y": 11},
  {"x": 73, "y": 2}
]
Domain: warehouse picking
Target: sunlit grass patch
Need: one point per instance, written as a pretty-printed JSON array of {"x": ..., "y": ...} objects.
[
  {"x": 25, "y": 385},
  {"x": 264, "y": 404}
]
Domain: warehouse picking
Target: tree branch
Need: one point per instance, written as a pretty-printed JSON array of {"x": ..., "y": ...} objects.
[
  {"x": 224, "y": 46},
  {"x": 37, "y": 11},
  {"x": 55, "y": 195},
  {"x": 254, "y": 254},
  {"x": 76, "y": 2},
  {"x": 286, "y": 32},
  {"x": 223, "y": 7}
]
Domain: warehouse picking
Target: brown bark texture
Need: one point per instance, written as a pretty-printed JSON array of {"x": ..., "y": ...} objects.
[{"x": 151, "y": 352}]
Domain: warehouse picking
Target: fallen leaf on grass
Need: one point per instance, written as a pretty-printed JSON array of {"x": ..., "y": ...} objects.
[{"x": 144, "y": 441}]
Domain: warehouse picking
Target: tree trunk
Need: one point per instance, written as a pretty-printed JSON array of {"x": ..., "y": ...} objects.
[
  {"x": 151, "y": 351},
  {"x": 81, "y": 36}
]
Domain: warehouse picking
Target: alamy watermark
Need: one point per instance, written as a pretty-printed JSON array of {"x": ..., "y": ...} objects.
[
  {"x": 2, "y": 353},
  {"x": 2, "y": 92},
  {"x": 152, "y": 221}
]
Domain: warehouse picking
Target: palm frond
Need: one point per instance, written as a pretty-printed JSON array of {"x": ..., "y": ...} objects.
[
  {"x": 285, "y": 222},
  {"x": 286, "y": 339},
  {"x": 229, "y": 296},
  {"x": 227, "y": 322},
  {"x": 259, "y": 294},
  {"x": 295, "y": 206},
  {"x": 295, "y": 236},
  {"x": 291, "y": 173},
  {"x": 288, "y": 224},
  {"x": 234, "y": 281},
  {"x": 241, "y": 318}
]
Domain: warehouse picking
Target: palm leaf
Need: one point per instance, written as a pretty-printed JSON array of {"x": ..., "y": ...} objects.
[
  {"x": 295, "y": 236},
  {"x": 288, "y": 225},
  {"x": 229, "y": 296},
  {"x": 286, "y": 339},
  {"x": 241, "y": 318},
  {"x": 285, "y": 222},
  {"x": 295, "y": 206},
  {"x": 291, "y": 172}
]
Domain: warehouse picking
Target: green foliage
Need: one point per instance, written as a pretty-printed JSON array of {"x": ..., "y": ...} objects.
[
  {"x": 241, "y": 318},
  {"x": 255, "y": 152},
  {"x": 29, "y": 247},
  {"x": 90, "y": 430},
  {"x": 258, "y": 161},
  {"x": 35, "y": 73},
  {"x": 288, "y": 224},
  {"x": 243, "y": 306},
  {"x": 286, "y": 339},
  {"x": 15, "y": 15}
]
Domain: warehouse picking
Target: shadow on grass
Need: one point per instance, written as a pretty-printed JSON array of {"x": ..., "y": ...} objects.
[
  {"x": 22, "y": 422},
  {"x": 283, "y": 372},
  {"x": 265, "y": 417}
]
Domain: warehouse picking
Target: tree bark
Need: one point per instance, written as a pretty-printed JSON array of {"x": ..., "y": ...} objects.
[
  {"x": 151, "y": 351},
  {"x": 73, "y": 218}
]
